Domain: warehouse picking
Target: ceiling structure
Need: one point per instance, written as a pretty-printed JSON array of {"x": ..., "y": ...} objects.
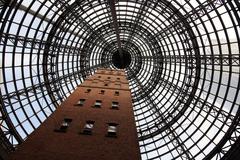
[{"x": 181, "y": 59}]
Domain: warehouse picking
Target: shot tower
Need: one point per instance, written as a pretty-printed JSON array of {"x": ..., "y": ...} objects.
[{"x": 96, "y": 122}]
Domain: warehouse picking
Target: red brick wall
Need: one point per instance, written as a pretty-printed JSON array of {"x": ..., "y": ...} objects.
[{"x": 46, "y": 144}]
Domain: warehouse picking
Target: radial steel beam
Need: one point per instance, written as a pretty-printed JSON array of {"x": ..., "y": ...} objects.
[
  {"x": 137, "y": 21},
  {"x": 115, "y": 23},
  {"x": 172, "y": 133},
  {"x": 216, "y": 59}
]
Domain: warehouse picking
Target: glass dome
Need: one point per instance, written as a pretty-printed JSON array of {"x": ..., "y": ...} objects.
[{"x": 181, "y": 58}]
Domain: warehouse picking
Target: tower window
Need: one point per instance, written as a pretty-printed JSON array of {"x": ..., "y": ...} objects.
[
  {"x": 112, "y": 130},
  {"x": 88, "y": 91},
  {"x": 106, "y": 82},
  {"x": 81, "y": 102},
  {"x": 102, "y": 92},
  {"x": 88, "y": 127},
  {"x": 116, "y": 93},
  {"x": 108, "y": 77},
  {"x": 98, "y": 104},
  {"x": 118, "y": 78},
  {"x": 99, "y": 76},
  {"x": 118, "y": 85},
  {"x": 115, "y": 105},
  {"x": 64, "y": 125}
]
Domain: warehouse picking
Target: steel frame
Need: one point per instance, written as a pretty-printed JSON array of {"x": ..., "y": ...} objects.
[{"x": 184, "y": 73}]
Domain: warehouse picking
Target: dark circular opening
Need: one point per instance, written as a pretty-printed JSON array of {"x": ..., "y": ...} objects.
[{"x": 121, "y": 61}]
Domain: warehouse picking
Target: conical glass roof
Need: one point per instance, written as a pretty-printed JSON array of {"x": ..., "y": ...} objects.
[{"x": 181, "y": 58}]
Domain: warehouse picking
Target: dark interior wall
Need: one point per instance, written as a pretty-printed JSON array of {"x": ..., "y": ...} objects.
[
  {"x": 3, "y": 152},
  {"x": 234, "y": 152}
]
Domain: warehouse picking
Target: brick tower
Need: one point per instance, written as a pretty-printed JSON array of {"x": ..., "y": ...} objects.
[{"x": 96, "y": 122}]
